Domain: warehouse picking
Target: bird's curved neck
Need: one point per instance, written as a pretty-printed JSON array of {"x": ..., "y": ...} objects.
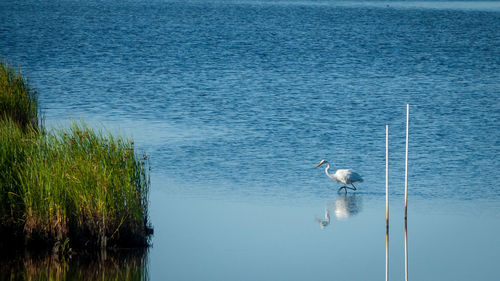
[{"x": 327, "y": 169}]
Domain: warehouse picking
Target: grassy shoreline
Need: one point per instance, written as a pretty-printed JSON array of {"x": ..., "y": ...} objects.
[{"x": 67, "y": 188}]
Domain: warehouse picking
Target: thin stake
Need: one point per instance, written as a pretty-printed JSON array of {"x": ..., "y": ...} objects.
[
  {"x": 406, "y": 250},
  {"x": 406, "y": 190},
  {"x": 406, "y": 158},
  {"x": 386, "y": 202}
]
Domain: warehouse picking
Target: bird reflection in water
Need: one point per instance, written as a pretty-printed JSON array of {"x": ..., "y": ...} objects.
[
  {"x": 324, "y": 223},
  {"x": 344, "y": 206},
  {"x": 347, "y": 205}
]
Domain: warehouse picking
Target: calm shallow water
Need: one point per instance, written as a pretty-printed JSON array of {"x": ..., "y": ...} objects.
[{"x": 237, "y": 101}]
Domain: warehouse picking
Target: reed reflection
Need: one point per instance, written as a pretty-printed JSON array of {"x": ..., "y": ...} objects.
[{"x": 126, "y": 265}]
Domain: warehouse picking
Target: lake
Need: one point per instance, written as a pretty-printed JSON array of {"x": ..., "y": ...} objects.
[{"x": 236, "y": 102}]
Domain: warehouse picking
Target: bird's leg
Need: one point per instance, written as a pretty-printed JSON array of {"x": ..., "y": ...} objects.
[
  {"x": 354, "y": 188},
  {"x": 344, "y": 187}
]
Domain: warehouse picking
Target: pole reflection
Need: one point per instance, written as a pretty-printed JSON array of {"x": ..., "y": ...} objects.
[{"x": 406, "y": 249}]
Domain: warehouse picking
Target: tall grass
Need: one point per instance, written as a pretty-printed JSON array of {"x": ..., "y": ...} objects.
[
  {"x": 75, "y": 186},
  {"x": 17, "y": 100},
  {"x": 13, "y": 149}
]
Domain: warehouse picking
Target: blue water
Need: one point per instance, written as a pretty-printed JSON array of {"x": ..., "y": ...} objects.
[{"x": 237, "y": 101}]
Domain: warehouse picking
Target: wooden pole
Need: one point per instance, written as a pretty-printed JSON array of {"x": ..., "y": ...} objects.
[
  {"x": 406, "y": 190},
  {"x": 406, "y": 159},
  {"x": 386, "y": 202}
]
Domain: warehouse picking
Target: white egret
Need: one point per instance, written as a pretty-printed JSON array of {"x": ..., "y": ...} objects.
[{"x": 345, "y": 176}]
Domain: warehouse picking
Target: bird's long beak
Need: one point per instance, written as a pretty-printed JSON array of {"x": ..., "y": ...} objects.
[{"x": 320, "y": 163}]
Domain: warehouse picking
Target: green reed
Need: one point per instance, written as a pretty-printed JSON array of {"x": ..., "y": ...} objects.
[
  {"x": 69, "y": 187},
  {"x": 17, "y": 101}
]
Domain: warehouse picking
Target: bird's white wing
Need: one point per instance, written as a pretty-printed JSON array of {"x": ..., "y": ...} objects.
[
  {"x": 354, "y": 177},
  {"x": 342, "y": 175},
  {"x": 347, "y": 176}
]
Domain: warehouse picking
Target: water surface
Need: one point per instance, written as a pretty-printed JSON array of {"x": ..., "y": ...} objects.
[{"x": 237, "y": 101}]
